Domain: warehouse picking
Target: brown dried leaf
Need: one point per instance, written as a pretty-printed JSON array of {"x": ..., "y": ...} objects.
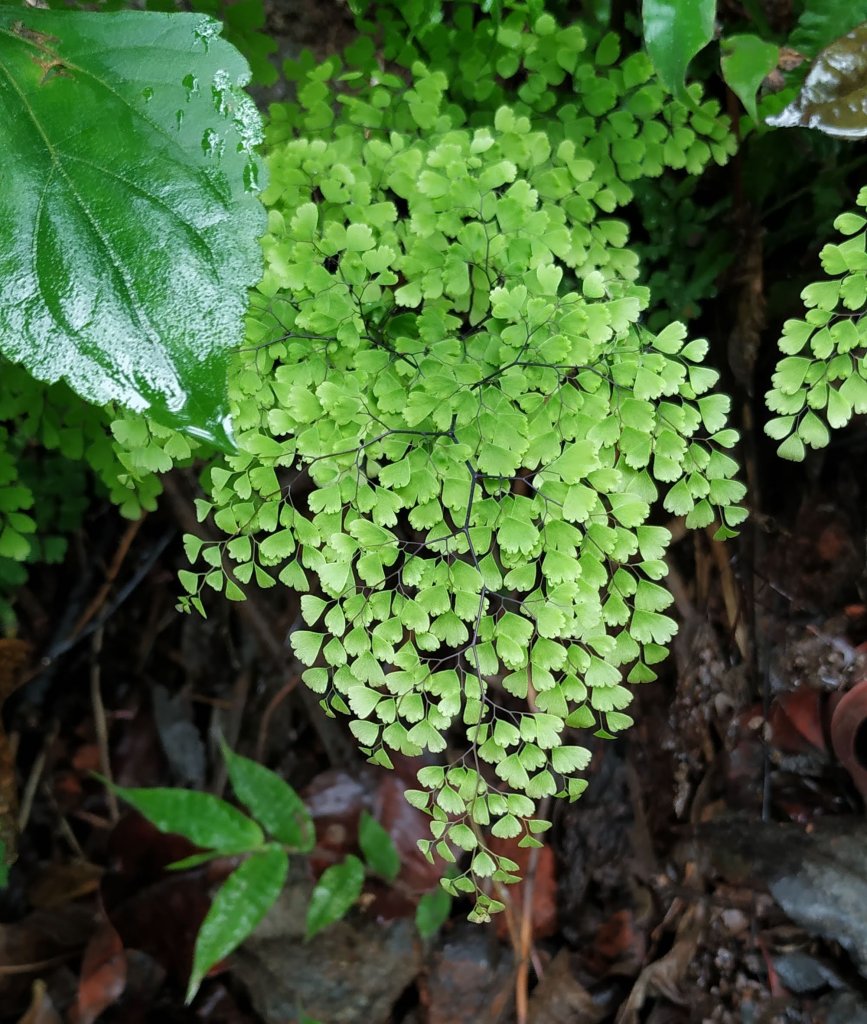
[
  {"x": 664, "y": 976},
  {"x": 560, "y": 998},
  {"x": 103, "y": 974}
]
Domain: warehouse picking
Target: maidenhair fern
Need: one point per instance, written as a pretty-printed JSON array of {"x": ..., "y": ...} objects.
[
  {"x": 822, "y": 381},
  {"x": 53, "y": 447},
  {"x": 452, "y": 424}
]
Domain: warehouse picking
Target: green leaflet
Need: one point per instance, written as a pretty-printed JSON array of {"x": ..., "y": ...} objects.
[
  {"x": 204, "y": 819},
  {"x": 378, "y": 848},
  {"x": 447, "y": 346},
  {"x": 95, "y": 224},
  {"x": 674, "y": 32},
  {"x": 432, "y": 912},
  {"x": 823, "y": 21},
  {"x": 239, "y": 905},
  {"x": 271, "y": 801},
  {"x": 336, "y": 891}
]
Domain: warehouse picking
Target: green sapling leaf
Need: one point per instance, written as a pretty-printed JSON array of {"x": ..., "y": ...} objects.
[
  {"x": 204, "y": 819},
  {"x": 378, "y": 847},
  {"x": 338, "y": 888},
  {"x": 271, "y": 801},
  {"x": 238, "y": 906}
]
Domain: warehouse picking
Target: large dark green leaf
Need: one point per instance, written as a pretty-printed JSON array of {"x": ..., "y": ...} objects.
[
  {"x": 128, "y": 214},
  {"x": 834, "y": 96},
  {"x": 674, "y": 32}
]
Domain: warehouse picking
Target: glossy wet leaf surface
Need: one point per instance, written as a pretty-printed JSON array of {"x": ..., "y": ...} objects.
[
  {"x": 128, "y": 218},
  {"x": 833, "y": 99}
]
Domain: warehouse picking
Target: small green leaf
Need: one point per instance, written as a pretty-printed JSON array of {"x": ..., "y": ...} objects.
[
  {"x": 204, "y": 819},
  {"x": 378, "y": 847},
  {"x": 746, "y": 62},
  {"x": 336, "y": 891},
  {"x": 239, "y": 905},
  {"x": 674, "y": 32},
  {"x": 306, "y": 645},
  {"x": 271, "y": 801},
  {"x": 792, "y": 448},
  {"x": 432, "y": 912}
]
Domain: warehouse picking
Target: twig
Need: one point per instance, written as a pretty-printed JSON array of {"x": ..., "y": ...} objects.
[
  {"x": 273, "y": 704},
  {"x": 63, "y": 824},
  {"x": 230, "y": 734},
  {"x": 6, "y": 970},
  {"x": 60, "y": 646},
  {"x": 731, "y": 599},
  {"x": 99, "y": 598},
  {"x": 526, "y": 950},
  {"x": 32, "y": 784},
  {"x": 100, "y": 723}
]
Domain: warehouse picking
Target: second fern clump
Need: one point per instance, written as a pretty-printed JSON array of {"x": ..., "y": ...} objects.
[{"x": 822, "y": 379}]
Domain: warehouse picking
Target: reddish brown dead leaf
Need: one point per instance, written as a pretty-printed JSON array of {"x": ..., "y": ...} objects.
[
  {"x": 40, "y": 941},
  {"x": 103, "y": 974},
  {"x": 139, "y": 853},
  {"x": 618, "y": 942},
  {"x": 406, "y": 825},
  {"x": 796, "y": 721},
  {"x": 468, "y": 980},
  {"x": 86, "y": 759},
  {"x": 154, "y": 910},
  {"x": 543, "y": 882},
  {"x": 335, "y": 800}
]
